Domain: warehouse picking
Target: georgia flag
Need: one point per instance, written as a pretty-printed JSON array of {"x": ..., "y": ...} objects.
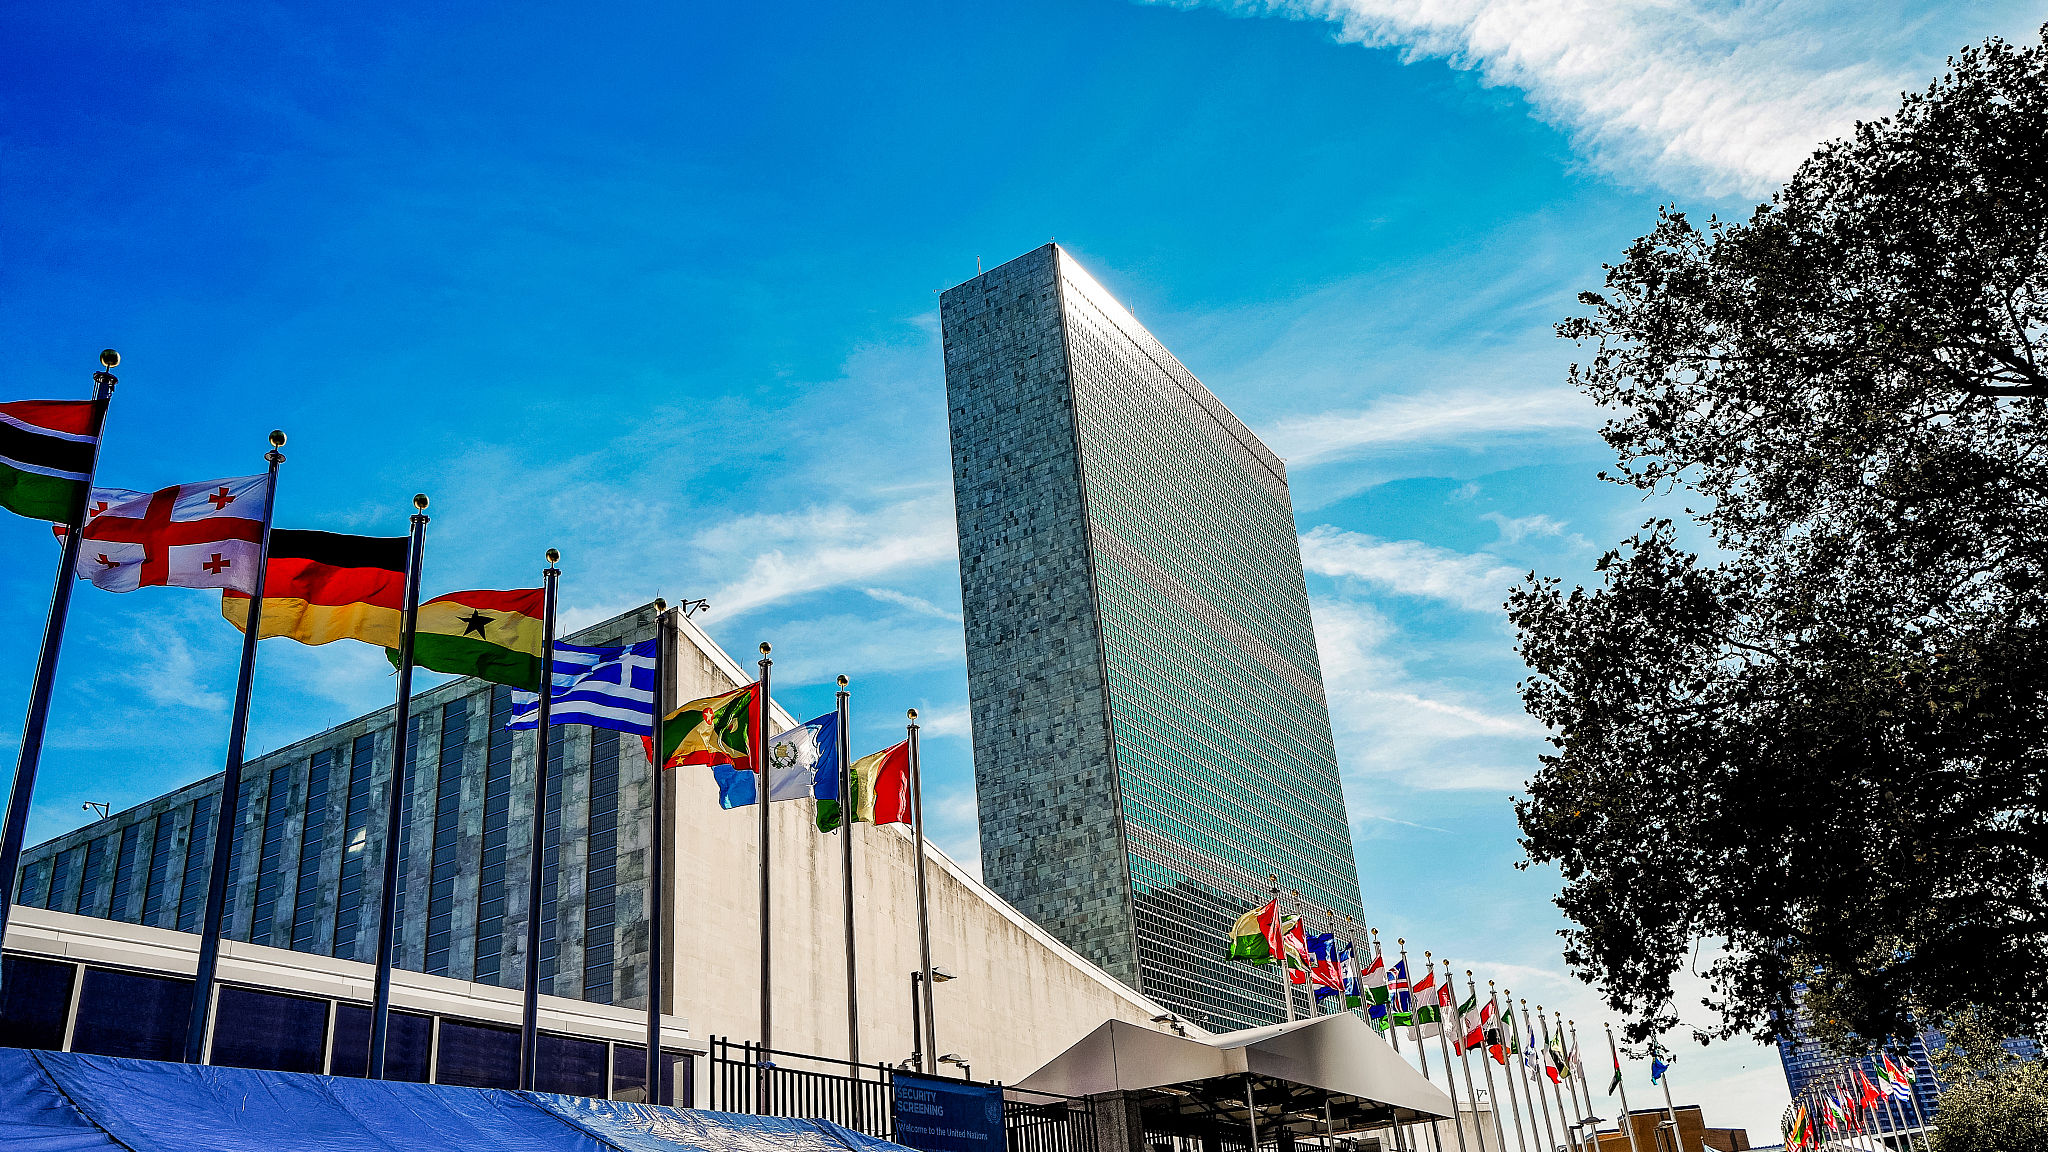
[{"x": 205, "y": 535}]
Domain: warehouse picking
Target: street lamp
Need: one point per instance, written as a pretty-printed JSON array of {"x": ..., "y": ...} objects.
[
  {"x": 939, "y": 976},
  {"x": 966, "y": 1072}
]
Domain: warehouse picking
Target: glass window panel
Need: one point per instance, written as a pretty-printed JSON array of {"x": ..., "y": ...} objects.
[
  {"x": 254, "y": 1029},
  {"x": 478, "y": 1056},
  {"x": 407, "y": 1046},
  {"x": 130, "y": 1014},
  {"x": 571, "y": 1067},
  {"x": 35, "y": 997},
  {"x": 629, "y": 1075}
]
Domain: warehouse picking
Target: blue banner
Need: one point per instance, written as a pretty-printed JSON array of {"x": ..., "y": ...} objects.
[{"x": 948, "y": 1116}]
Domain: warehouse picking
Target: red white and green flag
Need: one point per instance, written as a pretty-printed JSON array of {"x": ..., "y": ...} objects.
[
  {"x": 47, "y": 450},
  {"x": 1475, "y": 1020}
]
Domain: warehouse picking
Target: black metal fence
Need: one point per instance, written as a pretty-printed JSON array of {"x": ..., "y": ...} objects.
[{"x": 741, "y": 1076}]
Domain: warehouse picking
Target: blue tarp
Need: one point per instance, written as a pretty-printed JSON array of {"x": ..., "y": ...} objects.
[{"x": 65, "y": 1102}]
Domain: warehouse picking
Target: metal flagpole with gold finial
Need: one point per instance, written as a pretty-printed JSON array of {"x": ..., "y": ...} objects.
[
  {"x": 22, "y": 796},
  {"x": 1443, "y": 1045},
  {"x": 536, "y": 869},
  {"x": 1536, "y": 1088},
  {"x": 657, "y": 867},
  {"x": 231, "y": 782},
  {"x": 387, "y": 918},
  {"x": 843, "y": 753},
  {"x": 924, "y": 909},
  {"x": 1627, "y": 1118},
  {"x": 1500, "y": 1131},
  {"x": 762, "y": 756},
  {"x": 1511, "y": 1041},
  {"x": 1280, "y": 961}
]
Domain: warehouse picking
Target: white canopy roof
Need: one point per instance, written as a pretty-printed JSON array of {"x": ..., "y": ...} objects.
[{"x": 1337, "y": 1058}]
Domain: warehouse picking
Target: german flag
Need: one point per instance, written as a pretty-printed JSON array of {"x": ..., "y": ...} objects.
[{"x": 322, "y": 586}]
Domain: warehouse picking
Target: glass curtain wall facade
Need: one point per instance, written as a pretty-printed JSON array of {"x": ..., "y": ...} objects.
[{"x": 1151, "y": 735}]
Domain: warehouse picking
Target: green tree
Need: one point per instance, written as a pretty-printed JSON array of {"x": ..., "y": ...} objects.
[
  {"x": 1825, "y": 740},
  {"x": 2006, "y": 1111}
]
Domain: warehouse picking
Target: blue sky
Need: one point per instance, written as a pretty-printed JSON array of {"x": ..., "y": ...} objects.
[{"x": 655, "y": 285}]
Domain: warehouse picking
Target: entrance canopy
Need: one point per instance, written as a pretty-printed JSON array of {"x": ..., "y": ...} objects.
[{"x": 1293, "y": 1072}]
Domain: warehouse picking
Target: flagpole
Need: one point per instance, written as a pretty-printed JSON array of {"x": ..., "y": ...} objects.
[
  {"x": 1465, "y": 1058},
  {"x": 1575, "y": 1064},
  {"x": 387, "y": 927},
  {"x": 1436, "y": 1134},
  {"x": 845, "y": 754},
  {"x": 1556, "y": 1083},
  {"x": 1493, "y": 1096},
  {"x": 1443, "y": 1045},
  {"x": 1670, "y": 1111},
  {"x": 1308, "y": 979},
  {"x": 1549, "y": 1132},
  {"x": 656, "y": 874},
  {"x": 1393, "y": 1030},
  {"x": 231, "y": 782},
  {"x": 762, "y": 757},
  {"x": 536, "y": 870},
  {"x": 1619, "y": 1082},
  {"x": 1286, "y": 981},
  {"x": 1520, "y": 1069},
  {"x": 924, "y": 917},
  {"x": 22, "y": 796}
]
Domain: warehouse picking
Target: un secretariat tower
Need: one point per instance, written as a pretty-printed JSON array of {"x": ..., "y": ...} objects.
[{"x": 1151, "y": 738}]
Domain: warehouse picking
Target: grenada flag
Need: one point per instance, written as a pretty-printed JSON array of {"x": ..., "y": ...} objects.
[{"x": 715, "y": 730}]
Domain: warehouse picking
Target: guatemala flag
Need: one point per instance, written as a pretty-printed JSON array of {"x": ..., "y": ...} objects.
[
  {"x": 602, "y": 687},
  {"x": 803, "y": 763}
]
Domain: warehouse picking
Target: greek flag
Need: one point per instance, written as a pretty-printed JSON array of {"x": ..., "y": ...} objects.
[{"x": 602, "y": 687}]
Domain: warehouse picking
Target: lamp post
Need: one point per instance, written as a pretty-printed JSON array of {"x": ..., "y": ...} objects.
[
  {"x": 966, "y": 1070},
  {"x": 939, "y": 976}
]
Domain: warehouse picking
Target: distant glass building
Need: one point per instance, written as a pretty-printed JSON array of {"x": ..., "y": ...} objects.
[{"x": 1151, "y": 738}]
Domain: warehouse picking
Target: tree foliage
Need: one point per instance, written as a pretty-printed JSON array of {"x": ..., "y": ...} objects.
[
  {"x": 1824, "y": 741},
  {"x": 2003, "y": 1112}
]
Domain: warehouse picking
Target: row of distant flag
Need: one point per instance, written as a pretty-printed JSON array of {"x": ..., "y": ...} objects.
[
  {"x": 1391, "y": 999},
  {"x": 320, "y": 587},
  {"x": 1841, "y": 1108}
]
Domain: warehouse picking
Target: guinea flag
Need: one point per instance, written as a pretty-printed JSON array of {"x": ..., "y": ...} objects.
[
  {"x": 494, "y": 636},
  {"x": 714, "y": 730},
  {"x": 46, "y": 456},
  {"x": 320, "y": 587}
]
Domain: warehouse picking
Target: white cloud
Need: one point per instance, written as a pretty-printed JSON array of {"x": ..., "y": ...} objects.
[
  {"x": 1475, "y": 581},
  {"x": 1428, "y": 418},
  {"x": 795, "y": 553},
  {"x": 1724, "y": 97},
  {"x": 914, "y": 603},
  {"x": 1513, "y": 530},
  {"x": 949, "y": 721}
]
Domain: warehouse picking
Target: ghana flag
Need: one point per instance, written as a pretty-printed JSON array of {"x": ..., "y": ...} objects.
[
  {"x": 46, "y": 456},
  {"x": 320, "y": 587},
  {"x": 493, "y": 636},
  {"x": 715, "y": 730}
]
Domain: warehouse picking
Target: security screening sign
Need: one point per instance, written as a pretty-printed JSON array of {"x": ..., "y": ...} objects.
[{"x": 948, "y": 1116}]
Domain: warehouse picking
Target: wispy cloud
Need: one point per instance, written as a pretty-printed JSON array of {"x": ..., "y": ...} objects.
[
  {"x": 1475, "y": 581},
  {"x": 826, "y": 547},
  {"x": 914, "y": 603},
  {"x": 1428, "y": 418},
  {"x": 952, "y": 720},
  {"x": 1721, "y": 97},
  {"x": 1514, "y": 529}
]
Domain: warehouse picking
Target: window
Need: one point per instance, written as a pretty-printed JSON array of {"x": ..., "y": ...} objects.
[
  {"x": 253, "y": 1029},
  {"x": 270, "y": 865},
  {"x": 35, "y": 1000},
  {"x": 312, "y": 844},
  {"x": 600, "y": 884},
  {"x": 124, "y": 875},
  {"x": 198, "y": 864},
  {"x": 412, "y": 762},
  {"x": 569, "y": 1066},
  {"x": 63, "y": 898},
  {"x": 408, "y": 1044},
  {"x": 89, "y": 879},
  {"x": 132, "y": 1014},
  {"x": 445, "y": 866},
  {"x": 161, "y": 844},
  {"x": 355, "y": 852},
  {"x": 490, "y": 898},
  {"x": 478, "y": 1056},
  {"x": 551, "y": 860}
]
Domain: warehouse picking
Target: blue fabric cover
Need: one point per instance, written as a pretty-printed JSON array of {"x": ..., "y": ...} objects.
[
  {"x": 35, "y": 1117},
  {"x": 66, "y": 1102}
]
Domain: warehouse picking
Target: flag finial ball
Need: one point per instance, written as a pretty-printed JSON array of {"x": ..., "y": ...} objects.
[
  {"x": 554, "y": 557},
  {"x": 660, "y": 605},
  {"x": 276, "y": 438},
  {"x": 764, "y": 647},
  {"x": 842, "y": 681},
  {"x": 419, "y": 501},
  {"x": 110, "y": 358},
  {"x": 913, "y": 713}
]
